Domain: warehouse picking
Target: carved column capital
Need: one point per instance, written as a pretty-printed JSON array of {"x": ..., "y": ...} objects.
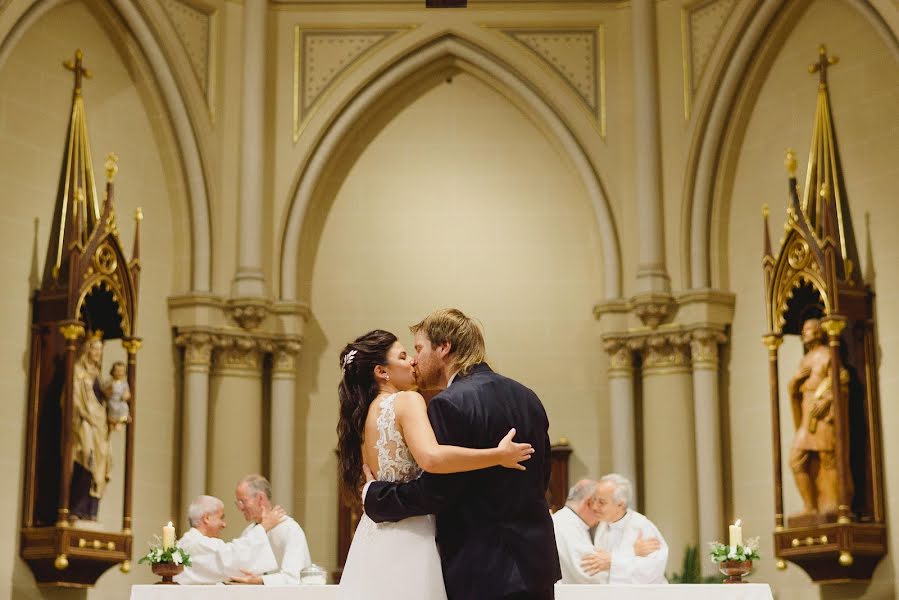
[
  {"x": 248, "y": 312},
  {"x": 666, "y": 351},
  {"x": 197, "y": 348},
  {"x": 654, "y": 309},
  {"x": 704, "y": 346},
  {"x": 237, "y": 352},
  {"x": 621, "y": 357},
  {"x": 285, "y": 355}
]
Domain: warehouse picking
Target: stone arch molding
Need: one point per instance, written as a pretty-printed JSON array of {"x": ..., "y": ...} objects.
[
  {"x": 194, "y": 175},
  {"x": 484, "y": 64},
  {"x": 709, "y": 158}
]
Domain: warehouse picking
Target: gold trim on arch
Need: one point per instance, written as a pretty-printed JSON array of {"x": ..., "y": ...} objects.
[
  {"x": 301, "y": 119},
  {"x": 596, "y": 116},
  {"x": 115, "y": 289}
]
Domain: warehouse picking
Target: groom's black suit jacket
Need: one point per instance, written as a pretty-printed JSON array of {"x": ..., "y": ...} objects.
[{"x": 493, "y": 526}]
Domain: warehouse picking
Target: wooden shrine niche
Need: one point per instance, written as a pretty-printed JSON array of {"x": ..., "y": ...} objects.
[
  {"x": 814, "y": 288},
  {"x": 87, "y": 296}
]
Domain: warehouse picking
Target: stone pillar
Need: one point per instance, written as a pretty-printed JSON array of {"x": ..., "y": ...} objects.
[
  {"x": 669, "y": 455},
  {"x": 707, "y": 421},
  {"x": 236, "y": 415},
  {"x": 249, "y": 281},
  {"x": 652, "y": 277},
  {"x": 283, "y": 422},
  {"x": 621, "y": 408},
  {"x": 195, "y": 416}
]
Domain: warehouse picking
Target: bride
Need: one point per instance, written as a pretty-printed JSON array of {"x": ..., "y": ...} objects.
[{"x": 384, "y": 424}]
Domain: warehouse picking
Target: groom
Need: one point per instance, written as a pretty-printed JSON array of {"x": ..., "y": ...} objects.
[{"x": 493, "y": 526}]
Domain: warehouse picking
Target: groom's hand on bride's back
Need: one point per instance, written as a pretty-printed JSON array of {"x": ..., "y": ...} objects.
[{"x": 512, "y": 454}]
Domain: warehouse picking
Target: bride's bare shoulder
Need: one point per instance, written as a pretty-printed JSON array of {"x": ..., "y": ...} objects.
[{"x": 408, "y": 399}]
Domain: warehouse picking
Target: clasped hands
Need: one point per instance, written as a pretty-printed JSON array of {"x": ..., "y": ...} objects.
[
  {"x": 599, "y": 561},
  {"x": 270, "y": 518}
]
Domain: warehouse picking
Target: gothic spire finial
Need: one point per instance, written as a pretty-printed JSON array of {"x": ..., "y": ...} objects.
[{"x": 820, "y": 67}]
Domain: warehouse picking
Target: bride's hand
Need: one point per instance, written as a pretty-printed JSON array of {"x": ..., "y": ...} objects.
[{"x": 513, "y": 453}]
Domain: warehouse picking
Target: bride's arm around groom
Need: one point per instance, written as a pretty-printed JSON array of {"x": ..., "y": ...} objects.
[{"x": 493, "y": 525}]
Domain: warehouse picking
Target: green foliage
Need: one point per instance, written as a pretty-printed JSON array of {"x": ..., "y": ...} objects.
[
  {"x": 158, "y": 554},
  {"x": 720, "y": 553},
  {"x": 691, "y": 571}
]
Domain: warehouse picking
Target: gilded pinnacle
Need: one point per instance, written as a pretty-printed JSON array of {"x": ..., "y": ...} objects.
[
  {"x": 138, "y": 214},
  {"x": 112, "y": 166},
  {"x": 790, "y": 162}
]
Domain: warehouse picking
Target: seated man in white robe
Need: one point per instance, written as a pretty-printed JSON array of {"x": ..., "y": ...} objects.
[
  {"x": 254, "y": 499},
  {"x": 572, "y": 524},
  {"x": 212, "y": 560},
  {"x": 615, "y": 559}
]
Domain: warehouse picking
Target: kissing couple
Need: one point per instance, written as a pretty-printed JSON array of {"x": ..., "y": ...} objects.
[{"x": 451, "y": 513}]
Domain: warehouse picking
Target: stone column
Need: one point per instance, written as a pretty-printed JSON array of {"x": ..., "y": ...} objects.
[
  {"x": 195, "y": 415},
  {"x": 707, "y": 421},
  {"x": 621, "y": 401},
  {"x": 283, "y": 423},
  {"x": 249, "y": 280},
  {"x": 652, "y": 277},
  {"x": 669, "y": 455},
  {"x": 236, "y": 415}
]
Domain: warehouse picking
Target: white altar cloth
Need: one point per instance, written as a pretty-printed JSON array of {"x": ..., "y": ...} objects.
[{"x": 750, "y": 591}]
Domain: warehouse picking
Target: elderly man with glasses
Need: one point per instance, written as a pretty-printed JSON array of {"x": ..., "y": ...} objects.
[
  {"x": 580, "y": 559},
  {"x": 253, "y": 498},
  {"x": 213, "y": 560}
]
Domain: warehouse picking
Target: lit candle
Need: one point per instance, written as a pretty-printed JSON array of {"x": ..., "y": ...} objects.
[
  {"x": 168, "y": 536},
  {"x": 736, "y": 534}
]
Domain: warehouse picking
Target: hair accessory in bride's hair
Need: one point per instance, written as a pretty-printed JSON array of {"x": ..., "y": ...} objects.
[{"x": 348, "y": 358}]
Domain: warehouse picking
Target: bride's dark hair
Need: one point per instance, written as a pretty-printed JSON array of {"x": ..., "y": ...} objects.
[{"x": 357, "y": 390}]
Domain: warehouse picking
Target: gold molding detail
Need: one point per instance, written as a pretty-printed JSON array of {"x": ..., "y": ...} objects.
[
  {"x": 576, "y": 53},
  {"x": 621, "y": 357},
  {"x": 285, "y": 355},
  {"x": 197, "y": 348},
  {"x": 194, "y": 22},
  {"x": 323, "y": 56},
  {"x": 702, "y": 22}
]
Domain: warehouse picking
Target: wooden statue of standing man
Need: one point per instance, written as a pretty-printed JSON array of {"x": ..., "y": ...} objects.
[
  {"x": 812, "y": 458},
  {"x": 91, "y": 450}
]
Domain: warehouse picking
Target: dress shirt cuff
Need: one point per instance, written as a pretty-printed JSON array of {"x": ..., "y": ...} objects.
[{"x": 365, "y": 491}]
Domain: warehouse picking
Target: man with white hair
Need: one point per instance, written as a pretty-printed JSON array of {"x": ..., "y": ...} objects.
[
  {"x": 212, "y": 560},
  {"x": 253, "y": 498},
  {"x": 572, "y": 524},
  {"x": 615, "y": 559}
]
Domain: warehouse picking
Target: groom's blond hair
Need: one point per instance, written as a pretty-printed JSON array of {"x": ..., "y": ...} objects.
[{"x": 464, "y": 335}]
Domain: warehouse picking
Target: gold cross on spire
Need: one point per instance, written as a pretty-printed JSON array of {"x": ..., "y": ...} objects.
[
  {"x": 79, "y": 70},
  {"x": 824, "y": 61}
]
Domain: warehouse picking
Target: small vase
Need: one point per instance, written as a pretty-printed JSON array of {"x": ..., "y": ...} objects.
[
  {"x": 735, "y": 570},
  {"x": 166, "y": 571}
]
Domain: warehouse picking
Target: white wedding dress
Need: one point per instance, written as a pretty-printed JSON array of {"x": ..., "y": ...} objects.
[{"x": 393, "y": 561}]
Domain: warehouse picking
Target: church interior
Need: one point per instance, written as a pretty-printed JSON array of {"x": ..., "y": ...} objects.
[{"x": 600, "y": 183}]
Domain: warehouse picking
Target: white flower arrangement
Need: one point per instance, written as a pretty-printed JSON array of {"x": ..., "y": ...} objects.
[
  {"x": 173, "y": 554},
  {"x": 718, "y": 552}
]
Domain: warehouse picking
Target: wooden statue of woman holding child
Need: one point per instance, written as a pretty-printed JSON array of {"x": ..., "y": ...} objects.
[{"x": 97, "y": 408}]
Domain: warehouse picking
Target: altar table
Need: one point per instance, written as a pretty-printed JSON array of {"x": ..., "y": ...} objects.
[{"x": 749, "y": 591}]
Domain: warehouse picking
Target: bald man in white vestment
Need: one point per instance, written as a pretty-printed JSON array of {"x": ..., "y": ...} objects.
[
  {"x": 213, "y": 560},
  {"x": 572, "y": 524},
  {"x": 253, "y": 497},
  {"x": 620, "y": 528}
]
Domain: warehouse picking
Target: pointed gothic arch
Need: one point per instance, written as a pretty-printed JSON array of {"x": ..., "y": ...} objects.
[
  {"x": 450, "y": 51},
  {"x": 725, "y": 116}
]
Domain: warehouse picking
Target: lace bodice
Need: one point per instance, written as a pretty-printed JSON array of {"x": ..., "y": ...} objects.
[{"x": 395, "y": 462}]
